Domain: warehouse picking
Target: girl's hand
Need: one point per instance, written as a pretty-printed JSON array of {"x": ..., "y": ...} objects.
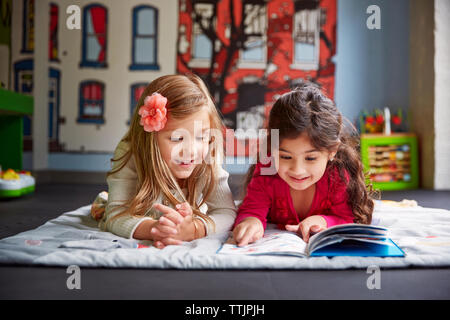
[
  {"x": 174, "y": 226},
  {"x": 184, "y": 209},
  {"x": 312, "y": 224},
  {"x": 248, "y": 231}
]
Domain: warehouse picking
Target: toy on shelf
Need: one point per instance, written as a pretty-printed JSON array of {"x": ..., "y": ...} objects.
[
  {"x": 378, "y": 121},
  {"x": 391, "y": 161},
  {"x": 15, "y": 183}
]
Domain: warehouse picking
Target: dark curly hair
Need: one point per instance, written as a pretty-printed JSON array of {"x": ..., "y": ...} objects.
[{"x": 307, "y": 110}]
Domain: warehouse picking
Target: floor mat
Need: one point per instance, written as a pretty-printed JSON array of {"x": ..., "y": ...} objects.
[{"x": 74, "y": 239}]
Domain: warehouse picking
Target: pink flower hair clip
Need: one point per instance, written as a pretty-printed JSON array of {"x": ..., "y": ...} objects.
[{"x": 153, "y": 113}]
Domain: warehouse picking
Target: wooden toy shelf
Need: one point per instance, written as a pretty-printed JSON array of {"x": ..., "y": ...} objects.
[{"x": 391, "y": 160}]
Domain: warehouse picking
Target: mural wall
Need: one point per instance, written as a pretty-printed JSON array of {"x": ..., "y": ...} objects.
[
  {"x": 249, "y": 52},
  {"x": 96, "y": 72},
  {"x": 5, "y": 41}
]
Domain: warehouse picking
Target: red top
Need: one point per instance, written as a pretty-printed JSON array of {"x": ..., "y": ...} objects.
[{"x": 268, "y": 199}]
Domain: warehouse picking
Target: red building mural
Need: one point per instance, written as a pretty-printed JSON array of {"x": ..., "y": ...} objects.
[{"x": 250, "y": 52}]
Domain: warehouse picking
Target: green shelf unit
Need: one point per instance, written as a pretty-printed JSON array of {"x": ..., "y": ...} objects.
[
  {"x": 13, "y": 106},
  {"x": 392, "y": 161}
]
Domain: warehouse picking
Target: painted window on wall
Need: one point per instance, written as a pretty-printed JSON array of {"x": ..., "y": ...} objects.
[
  {"x": 53, "y": 39},
  {"x": 306, "y": 39},
  {"x": 92, "y": 102},
  {"x": 28, "y": 26},
  {"x": 201, "y": 45},
  {"x": 94, "y": 41},
  {"x": 137, "y": 90},
  {"x": 54, "y": 77},
  {"x": 255, "y": 32},
  {"x": 145, "y": 39},
  {"x": 23, "y": 83}
]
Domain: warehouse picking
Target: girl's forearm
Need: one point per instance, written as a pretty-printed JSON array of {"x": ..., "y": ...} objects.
[
  {"x": 200, "y": 229},
  {"x": 143, "y": 231}
]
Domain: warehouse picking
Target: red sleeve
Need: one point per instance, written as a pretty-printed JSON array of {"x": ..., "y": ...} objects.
[
  {"x": 256, "y": 203},
  {"x": 339, "y": 211}
]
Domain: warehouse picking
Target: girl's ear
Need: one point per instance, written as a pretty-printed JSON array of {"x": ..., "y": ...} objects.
[
  {"x": 332, "y": 153},
  {"x": 331, "y": 156}
]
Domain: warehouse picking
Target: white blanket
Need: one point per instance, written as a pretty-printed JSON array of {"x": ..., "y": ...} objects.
[{"x": 74, "y": 239}]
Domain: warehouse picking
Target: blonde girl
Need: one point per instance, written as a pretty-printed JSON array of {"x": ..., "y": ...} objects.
[{"x": 166, "y": 183}]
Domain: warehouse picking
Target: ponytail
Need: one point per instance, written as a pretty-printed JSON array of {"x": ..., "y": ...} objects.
[{"x": 360, "y": 194}]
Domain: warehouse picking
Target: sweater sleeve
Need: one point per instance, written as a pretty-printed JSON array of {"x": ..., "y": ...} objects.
[
  {"x": 121, "y": 187},
  {"x": 221, "y": 207},
  {"x": 256, "y": 203}
]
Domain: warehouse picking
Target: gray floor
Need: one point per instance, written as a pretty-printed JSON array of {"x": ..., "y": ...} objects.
[{"x": 51, "y": 200}]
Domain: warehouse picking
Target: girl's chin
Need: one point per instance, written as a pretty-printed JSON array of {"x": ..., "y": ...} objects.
[
  {"x": 300, "y": 185},
  {"x": 299, "y": 188},
  {"x": 183, "y": 173}
]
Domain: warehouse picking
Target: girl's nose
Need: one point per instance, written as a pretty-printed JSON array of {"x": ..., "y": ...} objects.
[
  {"x": 186, "y": 153},
  {"x": 189, "y": 151},
  {"x": 298, "y": 168}
]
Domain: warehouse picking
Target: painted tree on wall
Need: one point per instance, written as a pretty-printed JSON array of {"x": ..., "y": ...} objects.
[{"x": 251, "y": 51}]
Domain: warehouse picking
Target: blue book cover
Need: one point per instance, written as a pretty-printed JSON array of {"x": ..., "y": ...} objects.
[
  {"x": 342, "y": 240},
  {"x": 360, "y": 249}
]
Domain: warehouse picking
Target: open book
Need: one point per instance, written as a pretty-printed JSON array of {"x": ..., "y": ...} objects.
[{"x": 341, "y": 240}]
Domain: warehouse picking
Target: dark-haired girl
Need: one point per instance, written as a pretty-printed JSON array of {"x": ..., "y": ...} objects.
[{"x": 319, "y": 180}]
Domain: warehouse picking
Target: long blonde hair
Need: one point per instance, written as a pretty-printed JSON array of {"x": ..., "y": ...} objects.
[{"x": 186, "y": 94}]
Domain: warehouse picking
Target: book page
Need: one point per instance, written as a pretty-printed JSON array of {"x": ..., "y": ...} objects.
[
  {"x": 274, "y": 242},
  {"x": 347, "y": 229}
]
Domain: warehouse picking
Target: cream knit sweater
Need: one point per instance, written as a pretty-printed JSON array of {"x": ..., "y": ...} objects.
[{"x": 122, "y": 186}]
